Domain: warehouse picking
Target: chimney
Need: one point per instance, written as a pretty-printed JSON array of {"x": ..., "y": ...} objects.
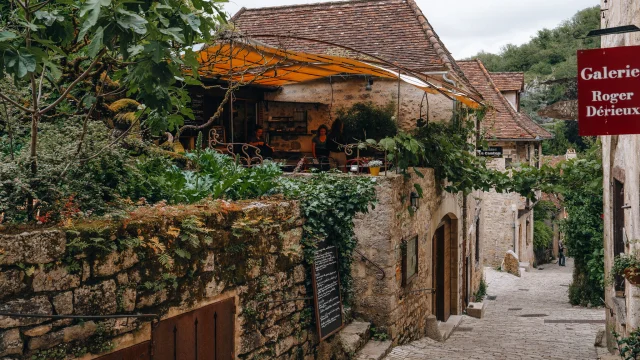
[{"x": 571, "y": 154}]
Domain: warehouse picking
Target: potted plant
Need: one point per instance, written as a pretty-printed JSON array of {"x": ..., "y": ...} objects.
[
  {"x": 374, "y": 167},
  {"x": 627, "y": 265}
]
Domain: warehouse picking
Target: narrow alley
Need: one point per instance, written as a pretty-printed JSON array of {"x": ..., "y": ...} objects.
[{"x": 526, "y": 318}]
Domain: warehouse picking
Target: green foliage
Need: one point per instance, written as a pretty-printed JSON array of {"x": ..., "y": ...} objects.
[
  {"x": 481, "y": 292},
  {"x": 624, "y": 262},
  {"x": 367, "y": 121},
  {"x": 65, "y": 189},
  {"x": 580, "y": 185},
  {"x": 629, "y": 347},
  {"x": 212, "y": 175},
  {"x": 550, "y": 55},
  {"x": 449, "y": 150},
  {"x": 144, "y": 44},
  {"x": 379, "y": 334},
  {"x": 565, "y": 137},
  {"x": 329, "y": 203},
  {"x": 542, "y": 235}
]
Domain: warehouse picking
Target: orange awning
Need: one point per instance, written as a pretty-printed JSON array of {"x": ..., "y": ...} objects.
[{"x": 247, "y": 60}]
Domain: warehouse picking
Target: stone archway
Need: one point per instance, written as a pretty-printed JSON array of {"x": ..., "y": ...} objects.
[{"x": 445, "y": 268}]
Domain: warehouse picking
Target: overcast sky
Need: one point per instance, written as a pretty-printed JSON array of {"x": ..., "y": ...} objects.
[{"x": 469, "y": 26}]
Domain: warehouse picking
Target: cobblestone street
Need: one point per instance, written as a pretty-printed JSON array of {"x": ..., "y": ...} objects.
[{"x": 530, "y": 318}]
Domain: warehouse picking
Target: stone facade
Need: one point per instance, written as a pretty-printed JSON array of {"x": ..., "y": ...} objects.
[
  {"x": 621, "y": 168},
  {"x": 336, "y": 93},
  {"x": 507, "y": 218},
  {"x": 252, "y": 269},
  {"x": 390, "y": 303}
]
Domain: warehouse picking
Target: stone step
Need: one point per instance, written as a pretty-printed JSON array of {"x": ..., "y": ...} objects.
[
  {"x": 476, "y": 309},
  {"x": 354, "y": 336},
  {"x": 525, "y": 265},
  {"x": 374, "y": 350},
  {"x": 447, "y": 328}
]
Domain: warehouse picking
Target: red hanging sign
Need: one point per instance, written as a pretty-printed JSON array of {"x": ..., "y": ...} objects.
[{"x": 609, "y": 91}]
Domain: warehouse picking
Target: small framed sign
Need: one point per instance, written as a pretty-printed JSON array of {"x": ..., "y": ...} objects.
[
  {"x": 491, "y": 151},
  {"x": 409, "y": 260}
]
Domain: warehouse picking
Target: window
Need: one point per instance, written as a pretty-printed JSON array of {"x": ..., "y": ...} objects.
[
  {"x": 409, "y": 260},
  {"x": 477, "y": 240}
]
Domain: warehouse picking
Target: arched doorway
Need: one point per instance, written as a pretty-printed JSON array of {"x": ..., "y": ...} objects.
[{"x": 445, "y": 268}]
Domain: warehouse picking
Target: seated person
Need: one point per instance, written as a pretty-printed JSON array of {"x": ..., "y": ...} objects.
[
  {"x": 319, "y": 147},
  {"x": 258, "y": 141}
]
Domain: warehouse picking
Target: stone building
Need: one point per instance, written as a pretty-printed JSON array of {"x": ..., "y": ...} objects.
[
  {"x": 506, "y": 220},
  {"x": 440, "y": 237},
  {"x": 621, "y": 183}
]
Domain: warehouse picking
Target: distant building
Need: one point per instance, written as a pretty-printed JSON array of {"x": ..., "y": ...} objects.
[
  {"x": 440, "y": 234},
  {"x": 506, "y": 221}
]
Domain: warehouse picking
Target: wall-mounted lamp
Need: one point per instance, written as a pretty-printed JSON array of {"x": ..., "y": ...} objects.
[{"x": 415, "y": 200}]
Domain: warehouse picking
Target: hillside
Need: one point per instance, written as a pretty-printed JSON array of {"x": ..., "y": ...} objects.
[{"x": 550, "y": 66}]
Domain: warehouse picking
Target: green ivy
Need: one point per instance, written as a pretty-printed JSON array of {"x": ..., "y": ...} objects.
[
  {"x": 629, "y": 346},
  {"x": 329, "y": 202}
]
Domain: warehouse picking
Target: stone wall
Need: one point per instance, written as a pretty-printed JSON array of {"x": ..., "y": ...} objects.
[
  {"x": 340, "y": 93},
  {"x": 498, "y": 215},
  {"x": 403, "y": 310},
  {"x": 619, "y": 160},
  {"x": 116, "y": 267},
  {"x": 500, "y": 212}
]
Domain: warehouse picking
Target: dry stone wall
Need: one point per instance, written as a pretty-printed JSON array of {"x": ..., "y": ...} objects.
[{"x": 250, "y": 251}]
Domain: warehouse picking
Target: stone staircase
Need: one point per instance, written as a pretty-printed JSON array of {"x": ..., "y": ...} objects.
[{"x": 355, "y": 340}]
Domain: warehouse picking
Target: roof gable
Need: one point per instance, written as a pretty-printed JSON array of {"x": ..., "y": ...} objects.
[
  {"x": 501, "y": 121},
  {"x": 508, "y": 81},
  {"x": 394, "y": 30}
]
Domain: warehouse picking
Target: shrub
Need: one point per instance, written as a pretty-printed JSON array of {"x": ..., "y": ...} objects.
[
  {"x": 542, "y": 235},
  {"x": 64, "y": 186},
  {"x": 367, "y": 121}
]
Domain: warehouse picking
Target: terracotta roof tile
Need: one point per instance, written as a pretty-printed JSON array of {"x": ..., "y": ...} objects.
[
  {"x": 508, "y": 81},
  {"x": 394, "y": 30},
  {"x": 501, "y": 120}
]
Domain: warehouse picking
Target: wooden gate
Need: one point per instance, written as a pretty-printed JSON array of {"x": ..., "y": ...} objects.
[
  {"x": 140, "y": 351},
  {"x": 205, "y": 333}
]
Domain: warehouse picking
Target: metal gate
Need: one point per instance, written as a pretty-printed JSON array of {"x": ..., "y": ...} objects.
[{"x": 205, "y": 333}]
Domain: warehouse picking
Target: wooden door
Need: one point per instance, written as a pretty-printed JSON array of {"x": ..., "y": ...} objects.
[{"x": 441, "y": 278}]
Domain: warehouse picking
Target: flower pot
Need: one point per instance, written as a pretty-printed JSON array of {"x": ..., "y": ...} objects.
[
  {"x": 375, "y": 171},
  {"x": 633, "y": 275}
]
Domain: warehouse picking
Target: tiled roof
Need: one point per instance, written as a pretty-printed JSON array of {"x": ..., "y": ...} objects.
[
  {"x": 394, "y": 30},
  {"x": 508, "y": 81},
  {"x": 501, "y": 120}
]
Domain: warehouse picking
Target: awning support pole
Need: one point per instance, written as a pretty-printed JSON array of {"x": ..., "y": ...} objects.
[
  {"x": 230, "y": 85},
  {"x": 398, "y": 115}
]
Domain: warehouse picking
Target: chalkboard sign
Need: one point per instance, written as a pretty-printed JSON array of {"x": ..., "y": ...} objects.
[
  {"x": 492, "y": 151},
  {"x": 197, "y": 106},
  {"x": 326, "y": 292}
]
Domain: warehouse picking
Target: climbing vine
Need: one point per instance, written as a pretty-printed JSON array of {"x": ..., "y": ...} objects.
[{"x": 329, "y": 202}]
